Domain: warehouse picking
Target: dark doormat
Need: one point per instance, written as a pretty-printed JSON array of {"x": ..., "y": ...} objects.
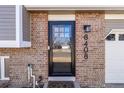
[{"x": 60, "y": 84}]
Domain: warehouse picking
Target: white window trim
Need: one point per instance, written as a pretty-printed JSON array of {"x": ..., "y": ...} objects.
[
  {"x": 14, "y": 43},
  {"x": 18, "y": 24},
  {"x": 2, "y": 62},
  {"x": 18, "y": 42}
]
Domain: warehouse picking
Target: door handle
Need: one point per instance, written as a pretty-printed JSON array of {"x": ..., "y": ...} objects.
[{"x": 48, "y": 47}]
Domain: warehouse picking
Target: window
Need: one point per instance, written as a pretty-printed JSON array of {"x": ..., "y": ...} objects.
[
  {"x": 121, "y": 37},
  {"x": 3, "y": 68},
  {"x": 110, "y": 37}
]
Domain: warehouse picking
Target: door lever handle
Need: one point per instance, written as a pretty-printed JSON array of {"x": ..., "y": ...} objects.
[{"x": 48, "y": 47}]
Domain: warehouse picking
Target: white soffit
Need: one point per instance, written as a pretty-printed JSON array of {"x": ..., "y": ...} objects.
[
  {"x": 73, "y": 7},
  {"x": 61, "y": 15},
  {"x": 114, "y": 16}
]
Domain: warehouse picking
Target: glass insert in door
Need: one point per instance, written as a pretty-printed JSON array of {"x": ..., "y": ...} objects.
[{"x": 61, "y": 48}]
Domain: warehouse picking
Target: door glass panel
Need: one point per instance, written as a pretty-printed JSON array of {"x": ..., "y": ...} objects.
[
  {"x": 67, "y": 35},
  {"x": 61, "y": 28},
  {"x": 61, "y": 48},
  {"x": 62, "y": 35},
  {"x": 56, "y": 35},
  {"x": 67, "y": 29},
  {"x": 56, "y": 29}
]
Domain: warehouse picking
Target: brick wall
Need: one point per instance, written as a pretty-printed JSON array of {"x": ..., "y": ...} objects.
[
  {"x": 91, "y": 71},
  {"x": 37, "y": 54}
]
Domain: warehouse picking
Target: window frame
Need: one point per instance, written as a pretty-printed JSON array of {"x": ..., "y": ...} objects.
[
  {"x": 116, "y": 32},
  {"x": 119, "y": 36},
  {"x": 114, "y": 37},
  {"x": 2, "y": 68}
]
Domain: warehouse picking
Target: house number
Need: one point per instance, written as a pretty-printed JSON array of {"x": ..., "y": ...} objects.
[{"x": 86, "y": 46}]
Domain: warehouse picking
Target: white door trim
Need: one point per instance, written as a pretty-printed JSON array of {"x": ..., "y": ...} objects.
[
  {"x": 61, "y": 78},
  {"x": 2, "y": 62}
]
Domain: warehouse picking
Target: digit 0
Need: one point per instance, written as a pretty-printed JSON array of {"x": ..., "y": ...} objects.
[{"x": 86, "y": 49}]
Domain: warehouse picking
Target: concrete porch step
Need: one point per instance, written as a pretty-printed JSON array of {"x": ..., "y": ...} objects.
[
  {"x": 61, "y": 78},
  {"x": 62, "y": 84}
]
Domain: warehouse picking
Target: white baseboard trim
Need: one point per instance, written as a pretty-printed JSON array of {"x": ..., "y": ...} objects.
[{"x": 61, "y": 78}]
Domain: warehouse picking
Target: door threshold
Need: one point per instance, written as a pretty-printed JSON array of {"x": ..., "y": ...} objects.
[{"x": 61, "y": 78}]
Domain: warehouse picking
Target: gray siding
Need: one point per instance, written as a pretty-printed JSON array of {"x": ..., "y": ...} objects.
[
  {"x": 7, "y": 22},
  {"x": 114, "y": 24},
  {"x": 26, "y": 25}
]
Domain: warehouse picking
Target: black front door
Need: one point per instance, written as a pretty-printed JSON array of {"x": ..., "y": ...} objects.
[{"x": 61, "y": 48}]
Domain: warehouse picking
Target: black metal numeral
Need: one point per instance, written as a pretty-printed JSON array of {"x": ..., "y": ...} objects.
[
  {"x": 86, "y": 55},
  {"x": 86, "y": 46},
  {"x": 85, "y": 49},
  {"x": 86, "y": 37},
  {"x": 86, "y": 43}
]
